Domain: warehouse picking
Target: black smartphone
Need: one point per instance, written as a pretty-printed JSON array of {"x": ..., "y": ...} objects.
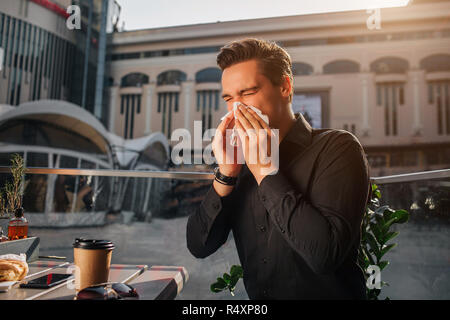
[{"x": 47, "y": 281}]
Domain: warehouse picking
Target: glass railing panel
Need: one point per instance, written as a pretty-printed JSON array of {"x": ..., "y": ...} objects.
[
  {"x": 145, "y": 214},
  {"x": 419, "y": 265}
]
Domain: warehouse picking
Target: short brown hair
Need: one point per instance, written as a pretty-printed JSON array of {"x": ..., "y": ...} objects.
[{"x": 275, "y": 62}]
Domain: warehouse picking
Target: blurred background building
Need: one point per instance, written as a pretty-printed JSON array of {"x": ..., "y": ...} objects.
[
  {"x": 44, "y": 59},
  {"x": 53, "y": 111},
  {"x": 389, "y": 85}
]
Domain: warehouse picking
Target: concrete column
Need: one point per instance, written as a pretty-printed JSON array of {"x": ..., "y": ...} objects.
[
  {"x": 150, "y": 90},
  {"x": 365, "y": 78},
  {"x": 416, "y": 77},
  {"x": 187, "y": 88},
  {"x": 113, "y": 92}
]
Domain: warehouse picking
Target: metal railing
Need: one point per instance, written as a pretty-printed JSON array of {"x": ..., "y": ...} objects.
[{"x": 184, "y": 175}]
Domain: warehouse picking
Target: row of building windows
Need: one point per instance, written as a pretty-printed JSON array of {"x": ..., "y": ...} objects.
[
  {"x": 170, "y": 77},
  {"x": 409, "y": 158},
  {"x": 35, "y": 57},
  {"x": 385, "y": 65},
  {"x": 398, "y": 36},
  {"x": 168, "y": 104}
]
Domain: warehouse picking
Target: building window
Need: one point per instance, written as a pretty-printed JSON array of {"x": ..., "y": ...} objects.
[
  {"x": 436, "y": 63},
  {"x": 26, "y": 61},
  {"x": 391, "y": 96},
  {"x": 341, "y": 66},
  {"x": 134, "y": 80},
  {"x": 171, "y": 77},
  {"x": 301, "y": 69},
  {"x": 207, "y": 101},
  {"x": 130, "y": 104},
  {"x": 208, "y": 75},
  {"x": 352, "y": 128},
  {"x": 439, "y": 96},
  {"x": 168, "y": 102},
  {"x": 387, "y": 65}
]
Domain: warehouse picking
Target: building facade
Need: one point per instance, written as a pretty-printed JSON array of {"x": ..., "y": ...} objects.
[
  {"x": 44, "y": 59},
  {"x": 388, "y": 84}
]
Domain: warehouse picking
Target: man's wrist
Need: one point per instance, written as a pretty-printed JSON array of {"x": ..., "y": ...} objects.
[{"x": 224, "y": 179}]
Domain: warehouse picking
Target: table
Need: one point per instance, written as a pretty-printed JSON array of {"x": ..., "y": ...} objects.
[{"x": 155, "y": 283}]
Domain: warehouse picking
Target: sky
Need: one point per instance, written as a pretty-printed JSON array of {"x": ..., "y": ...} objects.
[{"x": 144, "y": 14}]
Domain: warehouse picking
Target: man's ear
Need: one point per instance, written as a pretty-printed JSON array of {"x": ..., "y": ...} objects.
[{"x": 286, "y": 86}]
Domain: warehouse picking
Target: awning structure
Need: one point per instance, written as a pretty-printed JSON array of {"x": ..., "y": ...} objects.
[
  {"x": 59, "y": 134},
  {"x": 54, "y": 118}
]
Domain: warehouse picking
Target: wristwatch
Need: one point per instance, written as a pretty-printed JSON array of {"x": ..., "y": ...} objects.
[{"x": 223, "y": 179}]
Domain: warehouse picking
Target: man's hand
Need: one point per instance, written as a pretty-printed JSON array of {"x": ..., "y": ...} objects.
[
  {"x": 256, "y": 137},
  {"x": 228, "y": 164}
]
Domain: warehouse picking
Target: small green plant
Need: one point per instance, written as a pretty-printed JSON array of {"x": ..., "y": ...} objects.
[
  {"x": 11, "y": 195},
  {"x": 375, "y": 235},
  {"x": 228, "y": 281}
]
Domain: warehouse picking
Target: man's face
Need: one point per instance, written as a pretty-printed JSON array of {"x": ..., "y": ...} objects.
[{"x": 245, "y": 83}]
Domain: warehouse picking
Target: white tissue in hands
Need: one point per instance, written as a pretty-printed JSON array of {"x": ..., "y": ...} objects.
[{"x": 234, "y": 133}]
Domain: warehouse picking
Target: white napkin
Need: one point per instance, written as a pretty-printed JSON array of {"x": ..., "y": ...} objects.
[{"x": 234, "y": 134}]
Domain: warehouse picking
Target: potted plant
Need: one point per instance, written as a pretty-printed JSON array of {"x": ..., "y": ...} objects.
[{"x": 11, "y": 194}]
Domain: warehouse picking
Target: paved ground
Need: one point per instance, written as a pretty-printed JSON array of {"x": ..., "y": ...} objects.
[{"x": 419, "y": 266}]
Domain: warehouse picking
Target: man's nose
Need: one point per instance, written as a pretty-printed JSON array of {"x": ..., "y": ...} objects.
[{"x": 230, "y": 103}]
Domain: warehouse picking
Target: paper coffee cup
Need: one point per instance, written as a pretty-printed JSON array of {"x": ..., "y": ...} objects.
[{"x": 92, "y": 259}]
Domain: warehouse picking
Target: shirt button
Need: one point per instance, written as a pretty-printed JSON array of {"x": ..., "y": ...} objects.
[
  {"x": 264, "y": 260},
  {"x": 216, "y": 206},
  {"x": 263, "y": 198},
  {"x": 263, "y": 228},
  {"x": 282, "y": 230}
]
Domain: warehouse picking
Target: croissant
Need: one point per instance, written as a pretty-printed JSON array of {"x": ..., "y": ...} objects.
[{"x": 12, "y": 270}]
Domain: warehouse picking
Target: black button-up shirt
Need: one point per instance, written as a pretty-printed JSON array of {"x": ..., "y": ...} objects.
[{"x": 298, "y": 232}]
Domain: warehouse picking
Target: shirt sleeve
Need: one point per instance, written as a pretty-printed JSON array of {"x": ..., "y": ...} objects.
[
  {"x": 323, "y": 227},
  {"x": 208, "y": 227}
]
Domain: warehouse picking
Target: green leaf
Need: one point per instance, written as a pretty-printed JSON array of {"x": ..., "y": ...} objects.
[
  {"x": 377, "y": 193},
  {"x": 226, "y": 278},
  {"x": 383, "y": 264},
  {"x": 218, "y": 286},
  {"x": 389, "y": 236},
  {"x": 233, "y": 281},
  {"x": 221, "y": 282},
  {"x": 214, "y": 288},
  {"x": 387, "y": 248},
  {"x": 377, "y": 232},
  {"x": 368, "y": 256},
  {"x": 401, "y": 215},
  {"x": 237, "y": 271},
  {"x": 374, "y": 247}
]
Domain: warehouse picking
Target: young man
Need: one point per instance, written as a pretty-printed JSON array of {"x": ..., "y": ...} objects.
[{"x": 297, "y": 232}]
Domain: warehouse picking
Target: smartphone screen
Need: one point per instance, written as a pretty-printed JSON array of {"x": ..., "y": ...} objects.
[{"x": 47, "y": 281}]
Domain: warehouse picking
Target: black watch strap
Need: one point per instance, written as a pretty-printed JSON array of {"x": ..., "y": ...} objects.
[{"x": 223, "y": 179}]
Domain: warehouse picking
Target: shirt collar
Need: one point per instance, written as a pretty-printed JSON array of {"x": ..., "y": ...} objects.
[{"x": 300, "y": 132}]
